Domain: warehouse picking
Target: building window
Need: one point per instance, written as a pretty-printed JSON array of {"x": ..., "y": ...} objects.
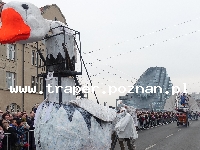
[
  {"x": 36, "y": 59},
  {"x": 40, "y": 61},
  {"x": 36, "y": 83},
  {"x": 32, "y": 81},
  {"x": 33, "y": 57},
  {"x": 41, "y": 84},
  {"x": 13, "y": 108},
  {"x": 11, "y": 51},
  {"x": 10, "y": 79}
]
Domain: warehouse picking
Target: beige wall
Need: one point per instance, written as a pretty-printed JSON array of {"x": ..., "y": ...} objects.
[
  {"x": 2, "y": 53},
  {"x": 53, "y": 12},
  {"x": 29, "y": 99},
  {"x": 7, "y": 98}
]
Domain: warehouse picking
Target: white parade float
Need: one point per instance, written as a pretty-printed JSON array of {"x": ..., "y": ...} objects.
[{"x": 74, "y": 124}]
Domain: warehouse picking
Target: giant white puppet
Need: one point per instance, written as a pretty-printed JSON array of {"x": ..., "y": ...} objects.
[{"x": 76, "y": 124}]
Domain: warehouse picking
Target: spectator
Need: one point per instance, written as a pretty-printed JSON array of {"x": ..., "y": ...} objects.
[
  {"x": 13, "y": 123},
  {"x": 6, "y": 116},
  {"x": 14, "y": 114},
  {"x": 12, "y": 137},
  {"x": 19, "y": 115},
  {"x": 23, "y": 117},
  {"x": 1, "y": 113},
  {"x": 21, "y": 130},
  {"x": 196, "y": 115},
  {"x": 10, "y": 117},
  {"x": 1, "y": 136},
  {"x": 30, "y": 121},
  {"x": 35, "y": 108}
]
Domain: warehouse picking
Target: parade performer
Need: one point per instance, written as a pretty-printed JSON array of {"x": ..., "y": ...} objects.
[
  {"x": 126, "y": 130},
  {"x": 132, "y": 111},
  {"x": 183, "y": 99}
]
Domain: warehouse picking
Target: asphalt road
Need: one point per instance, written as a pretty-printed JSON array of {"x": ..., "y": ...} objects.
[{"x": 169, "y": 137}]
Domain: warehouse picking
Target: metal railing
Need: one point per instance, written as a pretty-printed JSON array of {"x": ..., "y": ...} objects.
[{"x": 8, "y": 147}]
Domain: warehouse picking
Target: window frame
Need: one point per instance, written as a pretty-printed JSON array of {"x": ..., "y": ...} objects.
[
  {"x": 10, "y": 51},
  {"x": 41, "y": 84},
  {"x": 32, "y": 81},
  {"x": 33, "y": 57},
  {"x": 10, "y": 75}
]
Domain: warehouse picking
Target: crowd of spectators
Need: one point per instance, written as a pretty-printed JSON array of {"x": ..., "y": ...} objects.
[
  {"x": 152, "y": 119},
  {"x": 194, "y": 115},
  {"x": 15, "y": 127},
  {"x": 14, "y": 130}
]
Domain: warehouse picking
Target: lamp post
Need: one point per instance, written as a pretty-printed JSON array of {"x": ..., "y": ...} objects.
[{"x": 23, "y": 76}]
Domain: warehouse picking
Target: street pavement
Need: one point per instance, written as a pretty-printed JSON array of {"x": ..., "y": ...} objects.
[{"x": 169, "y": 137}]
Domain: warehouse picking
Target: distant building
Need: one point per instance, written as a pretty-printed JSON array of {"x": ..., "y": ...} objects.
[
  {"x": 174, "y": 101},
  {"x": 198, "y": 102},
  {"x": 151, "y": 90},
  {"x": 196, "y": 97},
  {"x": 11, "y": 68}
]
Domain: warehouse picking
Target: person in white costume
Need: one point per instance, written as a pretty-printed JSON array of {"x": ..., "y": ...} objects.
[
  {"x": 132, "y": 111},
  {"x": 126, "y": 131}
]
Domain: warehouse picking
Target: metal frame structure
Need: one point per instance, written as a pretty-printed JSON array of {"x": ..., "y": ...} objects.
[{"x": 62, "y": 67}]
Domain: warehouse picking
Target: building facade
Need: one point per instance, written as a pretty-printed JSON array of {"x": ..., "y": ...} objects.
[
  {"x": 16, "y": 72},
  {"x": 198, "y": 102},
  {"x": 196, "y": 96},
  {"x": 151, "y": 90}
]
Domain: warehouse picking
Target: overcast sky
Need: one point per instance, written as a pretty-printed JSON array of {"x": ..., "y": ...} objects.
[{"x": 128, "y": 28}]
